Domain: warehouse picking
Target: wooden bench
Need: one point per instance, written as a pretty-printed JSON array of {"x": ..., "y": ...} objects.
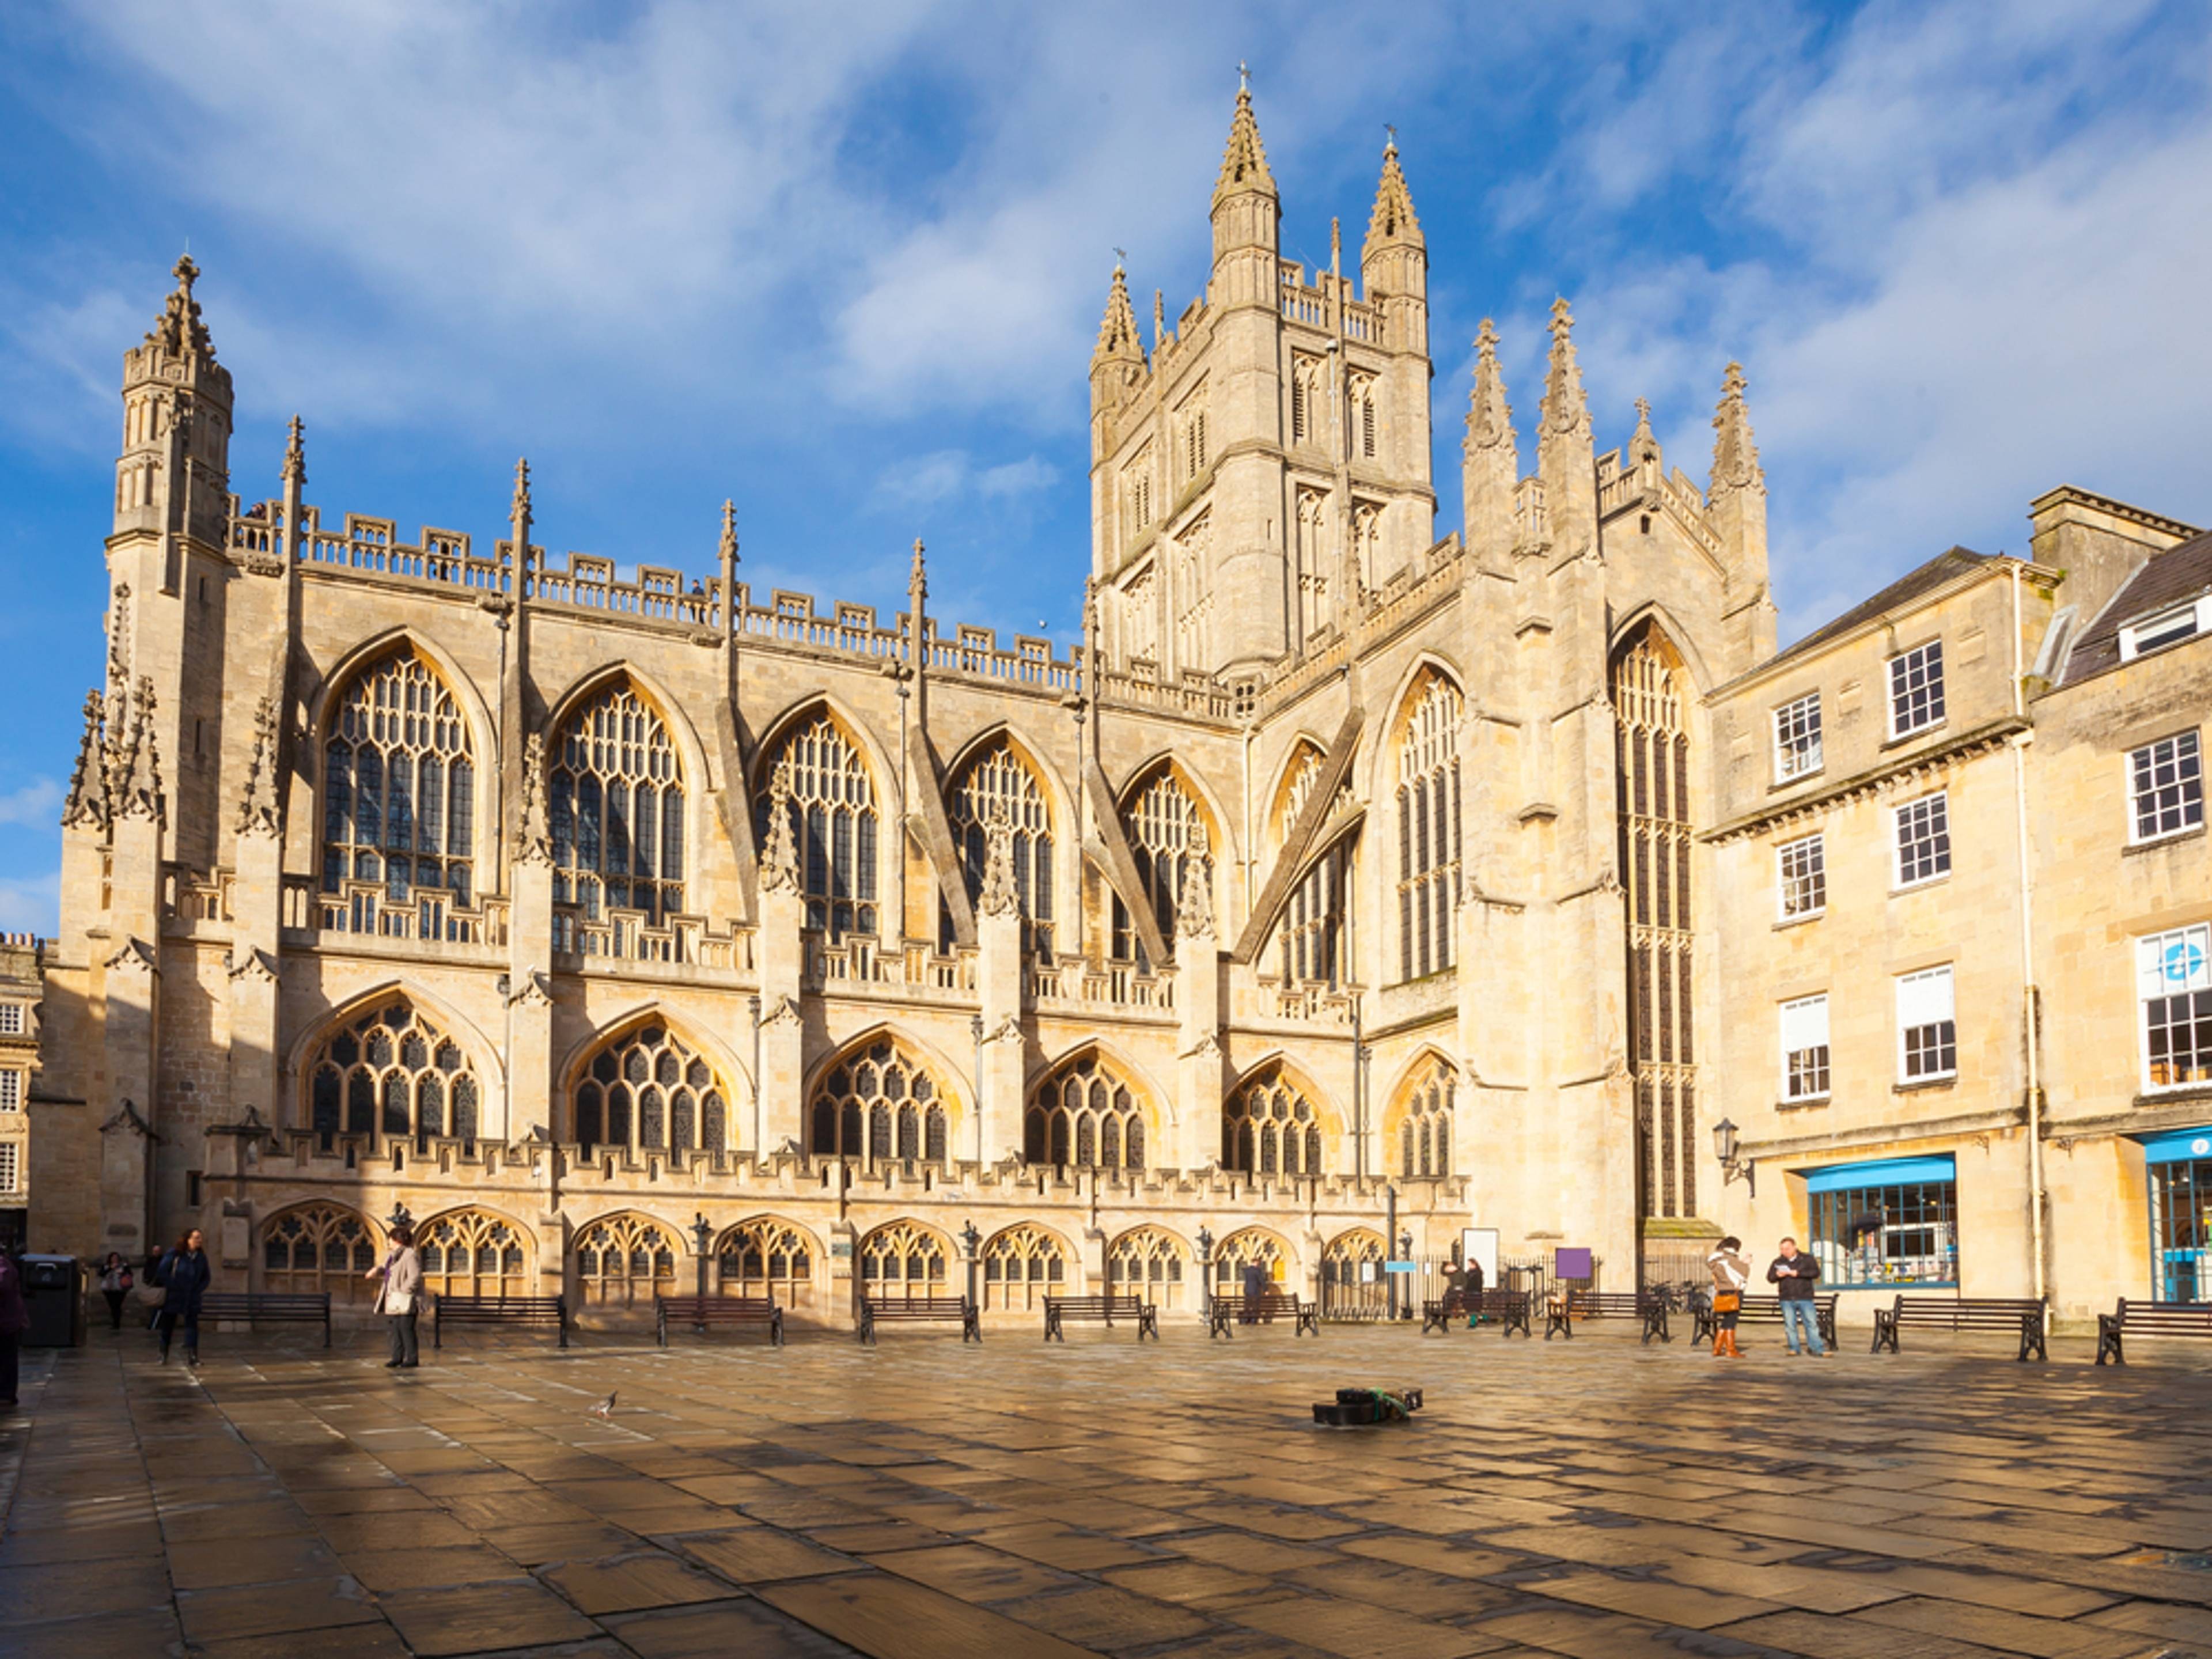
[
  {"x": 1508, "y": 1307},
  {"x": 1763, "y": 1311},
  {"x": 701, "y": 1311},
  {"x": 1271, "y": 1305},
  {"x": 2020, "y": 1316},
  {"x": 2182, "y": 1319},
  {"x": 915, "y": 1310},
  {"x": 532, "y": 1312},
  {"x": 270, "y": 1307},
  {"x": 1649, "y": 1306},
  {"x": 1100, "y": 1311}
]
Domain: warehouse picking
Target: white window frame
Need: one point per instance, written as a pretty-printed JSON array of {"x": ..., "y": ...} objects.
[
  {"x": 2192, "y": 810},
  {"x": 1899, "y": 881},
  {"x": 2178, "y": 624},
  {"x": 11, "y": 1168},
  {"x": 1928, "y": 652},
  {"x": 2154, "y": 979},
  {"x": 1801, "y": 1012},
  {"x": 1817, "y": 841},
  {"x": 14, "y": 1019},
  {"x": 1920, "y": 987},
  {"x": 1790, "y": 763},
  {"x": 11, "y": 1089}
]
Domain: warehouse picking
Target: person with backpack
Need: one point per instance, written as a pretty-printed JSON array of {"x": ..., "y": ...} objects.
[
  {"x": 115, "y": 1282},
  {"x": 183, "y": 1276}
]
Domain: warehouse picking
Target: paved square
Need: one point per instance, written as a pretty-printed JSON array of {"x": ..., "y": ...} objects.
[{"x": 924, "y": 1501}]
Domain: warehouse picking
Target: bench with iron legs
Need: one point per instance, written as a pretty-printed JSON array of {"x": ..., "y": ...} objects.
[
  {"x": 1761, "y": 1310},
  {"x": 701, "y": 1311},
  {"x": 2179, "y": 1319},
  {"x": 1100, "y": 1311},
  {"x": 268, "y": 1308},
  {"x": 1268, "y": 1307},
  {"x": 1649, "y": 1306},
  {"x": 531, "y": 1312},
  {"x": 1508, "y": 1307},
  {"x": 919, "y": 1310},
  {"x": 2020, "y": 1316}
]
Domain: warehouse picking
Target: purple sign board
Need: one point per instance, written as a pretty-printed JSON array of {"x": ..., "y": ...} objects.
[{"x": 1570, "y": 1263}]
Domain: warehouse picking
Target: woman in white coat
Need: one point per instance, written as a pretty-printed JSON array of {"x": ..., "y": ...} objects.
[{"x": 400, "y": 1295}]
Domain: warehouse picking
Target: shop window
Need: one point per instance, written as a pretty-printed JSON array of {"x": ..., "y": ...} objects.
[{"x": 1893, "y": 1224}]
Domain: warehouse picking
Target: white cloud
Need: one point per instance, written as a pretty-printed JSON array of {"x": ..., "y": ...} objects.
[
  {"x": 34, "y": 804},
  {"x": 31, "y": 904}
]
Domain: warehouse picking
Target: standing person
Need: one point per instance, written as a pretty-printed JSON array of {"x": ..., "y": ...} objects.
[
  {"x": 14, "y": 1318},
  {"x": 1793, "y": 1274},
  {"x": 1255, "y": 1287},
  {"x": 115, "y": 1282},
  {"x": 399, "y": 1298},
  {"x": 1474, "y": 1292},
  {"x": 1731, "y": 1274},
  {"x": 184, "y": 1275}
]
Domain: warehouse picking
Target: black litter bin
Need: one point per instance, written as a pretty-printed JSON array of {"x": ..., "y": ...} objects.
[{"x": 53, "y": 1297}]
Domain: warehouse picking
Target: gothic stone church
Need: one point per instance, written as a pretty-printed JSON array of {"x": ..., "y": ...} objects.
[{"x": 1339, "y": 872}]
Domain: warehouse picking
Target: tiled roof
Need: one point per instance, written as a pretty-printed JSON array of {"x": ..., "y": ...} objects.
[
  {"x": 2178, "y": 574},
  {"x": 1902, "y": 591}
]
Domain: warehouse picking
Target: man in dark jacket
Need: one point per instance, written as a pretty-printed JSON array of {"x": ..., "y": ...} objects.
[
  {"x": 1793, "y": 1274},
  {"x": 184, "y": 1275}
]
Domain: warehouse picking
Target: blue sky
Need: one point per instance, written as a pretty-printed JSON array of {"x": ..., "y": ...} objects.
[{"x": 844, "y": 263}]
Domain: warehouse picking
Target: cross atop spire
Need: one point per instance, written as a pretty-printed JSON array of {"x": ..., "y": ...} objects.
[
  {"x": 1243, "y": 76},
  {"x": 1643, "y": 446}
]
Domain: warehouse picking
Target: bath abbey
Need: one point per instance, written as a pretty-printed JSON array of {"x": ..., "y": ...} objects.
[{"x": 1345, "y": 897}]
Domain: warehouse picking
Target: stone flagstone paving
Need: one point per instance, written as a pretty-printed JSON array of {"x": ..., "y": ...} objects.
[{"x": 924, "y": 1500}]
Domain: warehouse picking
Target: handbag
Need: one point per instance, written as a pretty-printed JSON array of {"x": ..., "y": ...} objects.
[
  {"x": 1727, "y": 1301},
  {"x": 399, "y": 1302}
]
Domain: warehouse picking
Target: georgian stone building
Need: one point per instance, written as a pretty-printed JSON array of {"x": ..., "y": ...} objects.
[{"x": 607, "y": 921}]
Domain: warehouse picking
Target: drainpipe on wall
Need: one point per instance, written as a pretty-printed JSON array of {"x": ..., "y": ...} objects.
[{"x": 2031, "y": 1000}]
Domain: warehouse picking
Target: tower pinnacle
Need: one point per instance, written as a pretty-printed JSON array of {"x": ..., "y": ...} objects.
[
  {"x": 1564, "y": 408},
  {"x": 1735, "y": 454},
  {"x": 1244, "y": 162},
  {"x": 1488, "y": 417},
  {"x": 295, "y": 453},
  {"x": 1117, "y": 329}
]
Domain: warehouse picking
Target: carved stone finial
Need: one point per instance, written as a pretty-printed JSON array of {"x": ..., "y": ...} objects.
[
  {"x": 1195, "y": 898},
  {"x": 118, "y": 636},
  {"x": 1564, "y": 409},
  {"x": 141, "y": 795},
  {"x": 86, "y": 801},
  {"x": 1392, "y": 219},
  {"x": 917, "y": 582},
  {"x": 1000, "y": 896},
  {"x": 1117, "y": 329},
  {"x": 295, "y": 454},
  {"x": 1735, "y": 452},
  {"x": 779, "y": 858},
  {"x": 257, "y": 806},
  {"x": 1643, "y": 446},
  {"x": 534, "y": 843},
  {"x": 520, "y": 506},
  {"x": 178, "y": 331},
  {"x": 729, "y": 548},
  {"x": 1488, "y": 417}
]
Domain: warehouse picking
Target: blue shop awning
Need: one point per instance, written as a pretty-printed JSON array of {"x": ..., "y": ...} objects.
[
  {"x": 2179, "y": 1147},
  {"x": 1888, "y": 1172}
]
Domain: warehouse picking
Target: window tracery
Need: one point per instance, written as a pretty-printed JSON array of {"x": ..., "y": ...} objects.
[
  {"x": 399, "y": 784},
  {"x": 390, "y": 1071},
  {"x": 1316, "y": 931},
  {"x": 1269, "y": 1127},
  {"x": 1147, "y": 1262},
  {"x": 1424, "y": 1122},
  {"x": 1351, "y": 1281},
  {"x": 1022, "y": 1266},
  {"x": 626, "y": 1259},
  {"x": 903, "y": 1259},
  {"x": 767, "y": 1257},
  {"x": 474, "y": 1253},
  {"x": 877, "y": 1104},
  {"x": 648, "y": 1090},
  {"x": 319, "y": 1248},
  {"x": 1428, "y": 828},
  {"x": 616, "y": 794},
  {"x": 833, "y": 822},
  {"x": 1000, "y": 781},
  {"x": 1087, "y": 1117},
  {"x": 1254, "y": 1247},
  {"x": 1165, "y": 825}
]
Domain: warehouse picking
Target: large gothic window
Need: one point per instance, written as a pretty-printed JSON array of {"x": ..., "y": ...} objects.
[
  {"x": 1167, "y": 831},
  {"x": 1424, "y": 1122},
  {"x": 1269, "y": 1127},
  {"x": 1650, "y": 695},
  {"x": 399, "y": 784},
  {"x": 318, "y": 1248},
  {"x": 1023, "y": 1266},
  {"x": 1316, "y": 931},
  {"x": 1085, "y": 1117},
  {"x": 833, "y": 822},
  {"x": 767, "y": 1257},
  {"x": 390, "y": 1071},
  {"x": 616, "y": 799},
  {"x": 999, "y": 781},
  {"x": 626, "y": 1259},
  {"x": 878, "y": 1103},
  {"x": 1352, "y": 1280},
  {"x": 474, "y": 1253},
  {"x": 1254, "y": 1247},
  {"x": 648, "y": 1090},
  {"x": 1428, "y": 828},
  {"x": 1147, "y": 1262},
  {"x": 903, "y": 1261}
]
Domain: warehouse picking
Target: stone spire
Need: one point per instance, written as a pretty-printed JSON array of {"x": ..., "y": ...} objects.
[
  {"x": 141, "y": 794},
  {"x": 1488, "y": 417},
  {"x": 780, "y": 858},
  {"x": 1564, "y": 408},
  {"x": 1117, "y": 329},
  {"x": 1564, "y": 460},
  {"x": 86, "y": 801},
  {"x": 519, "y": 517},
  {"x": 295, "y": 453},
  {"x": 1393, "y": 219},
  {"x": 1000, "y": 896},
  {"x": 1160, "y": 319},
  {"x": 728, "y": 552},
  {"x": 1489, "y": 459},
  {"x": 1735, "y": 454},
  {"x": 178, "y": 330},
  {"x": 534, "y": 845},
  {"x": 1244, "y": 162},
  {"x": 1643, "y": 446},
  {"x": 257, "y": 806}
]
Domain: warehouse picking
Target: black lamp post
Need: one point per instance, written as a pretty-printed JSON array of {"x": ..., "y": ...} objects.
[
  {"x": 1406, "y": 1253},
  {"x": 703, "y": 1231},
  {"x": 971, "y": 1241},
  {"x": 399, "y": 1217},
  {"x": 1733, "y": 1168},
  {"x": 1205, "y": 1273}
]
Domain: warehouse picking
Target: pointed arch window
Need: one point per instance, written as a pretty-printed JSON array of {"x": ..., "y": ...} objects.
[
  {"x": 1366, "y": 436},
  {"x": 1317, "y": 589},
  {"x": 1270, "y": 1128},
  {"x": 1252, "y": 1247},
  {"x": 648, "y": 1090},
  {"x": 1428, "y": 828},
  {"x": 766, "y": 1257},
  {"x": 626, "y": 1259},
  {"x": 833, "y": 821},
  {"x": 318, "y": 1248},
  {"x": 474, "y": 1253},
  {"x": 615, "y": 794},
  {"x": 1085, "y": 1116},
  {"x": 902, "y": 1260},
  {"x": 1351, "y": 1276},
  {"x": 1314, "y": 935},
  {"x": 399, "y": 787},
  {"x": 1023, "y": 1266},
  {"x": 878, "y": 1104},
  {"x": 1000, "y": 781},
  {"x": 1163, "y": 822},
  {"x": 1148, "y": 1262},
  {"x": 1424, "y": 1123},
  {"x": 391, "y": 1072}
]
